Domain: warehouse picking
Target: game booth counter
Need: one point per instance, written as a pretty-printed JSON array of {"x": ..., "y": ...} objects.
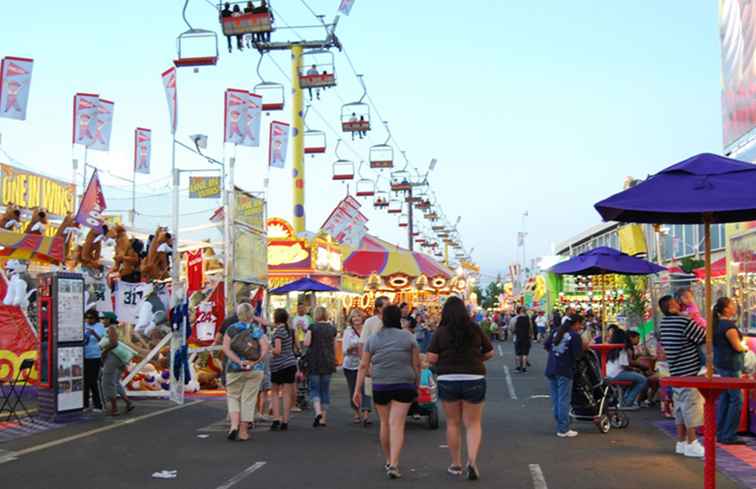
[{"x": 401, "y": 275}]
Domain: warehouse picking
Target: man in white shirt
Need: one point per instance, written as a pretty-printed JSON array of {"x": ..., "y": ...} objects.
[{"x": 375, "y": 322}]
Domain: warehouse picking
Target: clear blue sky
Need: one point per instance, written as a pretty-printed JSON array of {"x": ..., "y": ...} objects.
[{"x": 540, "y": 106}]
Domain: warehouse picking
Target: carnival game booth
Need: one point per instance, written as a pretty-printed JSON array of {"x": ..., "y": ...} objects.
[
  {"x": 400, "y": 274},
  {"x": 315, "y": 256}
]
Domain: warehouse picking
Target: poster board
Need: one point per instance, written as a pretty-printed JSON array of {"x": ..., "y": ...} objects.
[
  {"x": 70, "y": 310},
  {"x": 70, "y": 378}
]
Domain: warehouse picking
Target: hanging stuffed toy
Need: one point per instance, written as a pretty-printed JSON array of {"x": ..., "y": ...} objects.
[
  {"x": 156, "y": 265},
  {"x": 126, "y": 259},
  {"x": 38, "y": 223},
  {"x": 11, "y": 218},
  {"x": 90, "y": 253},
  {"x": 17, "y": 293},
  {"x": 151, "y": 314},
  {"x": 68, "y": 230}
]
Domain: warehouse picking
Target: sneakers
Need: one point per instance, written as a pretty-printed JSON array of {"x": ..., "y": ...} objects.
[
  {"x": 393, "y": 473},
  {"x": 276, "y": 426},
  {"x": 568, "y": 434},
  {"x": 680, "y": 448},
  {"x": 694, "y": 450}
]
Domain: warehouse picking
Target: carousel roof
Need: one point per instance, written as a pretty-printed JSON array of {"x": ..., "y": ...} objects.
[{"x": 377, "y": 256}]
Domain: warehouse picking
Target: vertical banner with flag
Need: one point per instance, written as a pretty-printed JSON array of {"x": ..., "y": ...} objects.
[
  {"x": 241, "y": 118},
  {"x": 169, "y": 84},
  {"x": 346, "y": 6},
  {"x": 279, "y": 141},
  {"x": 15, "y": 82},
  {"x": 85, "y": 118},
  {"x": 92, "y": 205},
  {"x": 142, "y": 150},
  {"x": 103, "y": 125}
]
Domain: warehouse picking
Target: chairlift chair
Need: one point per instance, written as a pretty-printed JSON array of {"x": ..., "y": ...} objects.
[
  {"x": 247, "y": 23},
  {"x": 196, "y": 48},
  {"x": 273, "y": 94},
  {"x": 355, "y": 116},
  {"x": 381, "y": 199},
  {"x": 400, "y": 181},
  {"x": 382, "y": 155},
  {"x": 365, "y": 187},
  {"x": 343, "y": 169},
  {"x": 317, "y": 70},
  {"x": 314, "y": 142},
  {"x": 403, "y": 220},
  {"x": 395, "y": 206}
]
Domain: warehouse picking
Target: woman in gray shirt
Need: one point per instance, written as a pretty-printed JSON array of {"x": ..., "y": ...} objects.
[{"x": 395, "y": 360}]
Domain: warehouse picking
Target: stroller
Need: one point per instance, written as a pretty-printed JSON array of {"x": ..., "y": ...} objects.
[
  {"x": 593, "y": 398},
  {"x": 301, "y": 385},
  {"x": 427, "y": 397}
]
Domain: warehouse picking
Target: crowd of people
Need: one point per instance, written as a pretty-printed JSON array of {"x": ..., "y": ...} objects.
[
  {"x": 681, "y": 334},
  {"x": 386, "y": 358}
]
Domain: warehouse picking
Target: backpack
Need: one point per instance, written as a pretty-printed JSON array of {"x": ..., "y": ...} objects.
[{"x": 245, "y": 345}]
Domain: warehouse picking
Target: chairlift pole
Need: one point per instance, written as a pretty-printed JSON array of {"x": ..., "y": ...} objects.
[
  {"x": 297, "y": 111},
  {"x": 410, "y": 219}
]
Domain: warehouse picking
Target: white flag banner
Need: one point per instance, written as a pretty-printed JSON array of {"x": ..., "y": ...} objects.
[
  {"x": 103, "y": 125},
  {"x": 15, "y": 82},
  {"x": 243, "y": 112},
  {"x": 142, "y": 150},
  {"x": 278, "y": 142},
  {"x": 85, "y": 118},
  {"x": 346, "y": 6},
  {"x": 169, "y": 84}
]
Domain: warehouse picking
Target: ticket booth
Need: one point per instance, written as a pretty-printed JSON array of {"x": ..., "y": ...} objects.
[{"x": 60, "y": 298}]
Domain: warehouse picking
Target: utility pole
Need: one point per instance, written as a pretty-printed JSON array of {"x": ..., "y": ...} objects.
[{"x": 297, "y": 112}]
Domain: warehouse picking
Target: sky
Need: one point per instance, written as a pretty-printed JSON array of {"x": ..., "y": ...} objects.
[{"x": 538, "y": 107}]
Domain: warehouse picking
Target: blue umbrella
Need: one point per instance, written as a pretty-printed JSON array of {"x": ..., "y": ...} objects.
[
  {"x": 703, "y": 189},
  {"x": 305, "y": 284},
  {"x": 603, "y": 260}
]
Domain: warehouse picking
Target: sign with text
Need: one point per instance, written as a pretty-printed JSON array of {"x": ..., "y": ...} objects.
[
  {"x": 29, "y": 190},
  {"x": 204, "y": 187},
  {"x": 249, "y": 210}
]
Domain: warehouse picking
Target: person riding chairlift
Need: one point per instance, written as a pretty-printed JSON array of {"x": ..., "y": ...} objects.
[
  {"x": 313, "y": 71},
  {"x": 237, "y": 12},
  {"x": 263, "y": 9},
  {"x": 226, "y": 12},
  {"x": 250, "y": 9}
]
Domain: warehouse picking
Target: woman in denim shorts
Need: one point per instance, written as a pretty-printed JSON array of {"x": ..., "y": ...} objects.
[{"x": 458, "y": 349}]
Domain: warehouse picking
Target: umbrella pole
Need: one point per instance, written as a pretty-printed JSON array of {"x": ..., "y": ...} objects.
[{"x": 707, "y": 285}]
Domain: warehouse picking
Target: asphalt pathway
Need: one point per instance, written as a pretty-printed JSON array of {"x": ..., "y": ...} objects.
[{"x": 520, "y": 449}]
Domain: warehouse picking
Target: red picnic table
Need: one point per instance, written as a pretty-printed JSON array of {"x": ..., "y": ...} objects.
[
  {"x": 710, "y": 390},
  {"x": 604, "y": 349}
]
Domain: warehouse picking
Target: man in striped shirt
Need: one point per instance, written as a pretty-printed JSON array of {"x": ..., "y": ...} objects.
[{"x": 680, "y": 337}]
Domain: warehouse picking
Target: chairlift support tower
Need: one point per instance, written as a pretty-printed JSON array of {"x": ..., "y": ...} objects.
[{"x": 297, "y": 111}]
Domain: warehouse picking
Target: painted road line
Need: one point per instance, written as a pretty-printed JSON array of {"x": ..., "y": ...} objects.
[
  {"x": 501, "y": 352},
  {"x": 510, "y": 385},
  {"x": 6, "y": 456},
  {"x": 241, "y": 475},
  {"x": 537, "y": 475},
  {"x": 118, "y": 424}
]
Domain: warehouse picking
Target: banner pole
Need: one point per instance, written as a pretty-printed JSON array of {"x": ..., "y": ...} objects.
[{"x": 229, "y": 214}]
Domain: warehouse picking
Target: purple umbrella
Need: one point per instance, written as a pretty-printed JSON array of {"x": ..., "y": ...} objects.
[
  {"x": 305, "y": 284},
  {"x": 703, "y": 189},
  {"x": 605, "y": 260}
]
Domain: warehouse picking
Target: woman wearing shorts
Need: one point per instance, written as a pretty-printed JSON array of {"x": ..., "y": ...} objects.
[
  {"x": 394, "y": 357},
  {"x": 283, "y": 369},
  {"x": 458, "y": 349}
]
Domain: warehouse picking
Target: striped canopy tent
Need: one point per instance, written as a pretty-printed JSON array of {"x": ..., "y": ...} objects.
[
  {"x": 377, "y": 256},
  {"x": 20, "y": 246}
]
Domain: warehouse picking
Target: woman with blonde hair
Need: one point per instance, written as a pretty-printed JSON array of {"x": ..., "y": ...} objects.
[
  {"x": 246, "y": 347},
  {"x": 350, "y": 343},
  {"x": 321, "y": 363}
]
